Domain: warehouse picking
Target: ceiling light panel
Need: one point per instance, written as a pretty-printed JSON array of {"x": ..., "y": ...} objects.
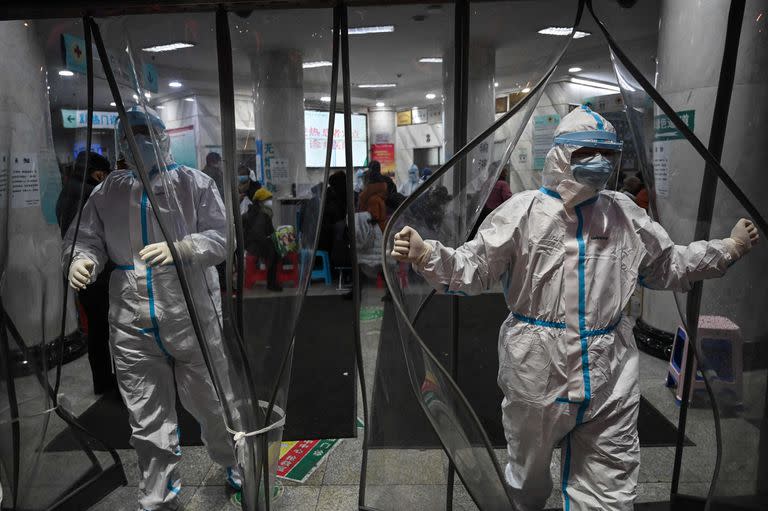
[
  {"x": 596, "y": 85},
  {"x": 377, "y": 85},
  {"x": 319, "y": 63},
  {"x": 564, "y": 31},
  {"x": 431, "y": 60},
  {"x": 381, "y": 29},
  {"x": 167, "y": 47}
]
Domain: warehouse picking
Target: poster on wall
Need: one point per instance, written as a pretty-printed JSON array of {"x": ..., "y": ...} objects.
[
  {"x": 278, "y": 169},
  {"x": 25, "y": 183},
  {"x": 404, "y": 118},
  {"x": 543, "y": 134},
  {"x": 384, "y": 154},
  {"x": 419, "y": 116},
  {"x": 316, "y": 135},
  {"x": 50, "y": 185},
  {"x": 665, "y": 133},
  {"x": 434, "y": 114},
  {"x": 4, "y": 164},
  {"x": 183, "y": 147},
  {"x": 661, "y": 168}
]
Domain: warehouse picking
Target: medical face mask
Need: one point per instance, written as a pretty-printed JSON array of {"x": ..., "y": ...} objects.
[
  {"x": 243, "y": 179},
  {"x": 146, "y": 152},
  {"x": 592, "y": 171}
]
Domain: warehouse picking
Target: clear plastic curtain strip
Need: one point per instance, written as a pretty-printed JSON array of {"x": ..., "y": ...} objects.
[
  {"x": 464, "y": 182},
  {"x": 268, "y": 50},
  {"x": 39, "y": 328},
  {"x": 729, "y": 373},
  {"x": 249, "y": 364}
]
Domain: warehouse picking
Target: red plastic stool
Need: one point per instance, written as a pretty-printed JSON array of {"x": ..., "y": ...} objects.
[{"x": 288, "y": 268}]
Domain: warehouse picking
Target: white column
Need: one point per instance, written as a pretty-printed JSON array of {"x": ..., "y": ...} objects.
[
  {"x": 278, "y": 104},
  {"x": 691, "y": 40},
  {"x": 32, "y": 291},
  {"x": 382, "y": 129}
]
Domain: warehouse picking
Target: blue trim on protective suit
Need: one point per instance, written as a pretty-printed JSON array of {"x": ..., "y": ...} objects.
[
  {"x": 173, "y": 489},
  {"x": 566, "y": 472},
  {"x": 150, "y": 293},
  {"x": 538, "y": 322},
  {"x": 584, "y": 347},
  {"x": 153, "y": 171},
  {"x": 449, "y": 292},
  {"x": 598, "y": 120},
  {"x": 551, "y": 193},
  {"x": 125, "y": 267}
]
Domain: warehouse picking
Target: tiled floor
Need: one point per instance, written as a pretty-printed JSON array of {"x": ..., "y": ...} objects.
[{"x": 415, "y": 477}]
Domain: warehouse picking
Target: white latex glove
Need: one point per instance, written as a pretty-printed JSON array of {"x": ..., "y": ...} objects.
[
  {"x": 409, "y": 247},
  {"x": 156, "y": 254},
  {"x": 743, "y": 236},
  {"x": 80, "y": 273}
]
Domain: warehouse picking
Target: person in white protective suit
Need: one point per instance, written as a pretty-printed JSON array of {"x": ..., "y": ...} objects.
[
  {"x": 151, "y": 335},
  {"x": 569, "y": 256},
  {"x": 412, "y": 183}
]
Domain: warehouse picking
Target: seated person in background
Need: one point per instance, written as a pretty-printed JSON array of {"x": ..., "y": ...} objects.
[
  {"x": 258, "y": 230},
  {"x": 634, "y": 188},
  {"x": 499, "y": 193},
  {"x": 373, "y": 198}
]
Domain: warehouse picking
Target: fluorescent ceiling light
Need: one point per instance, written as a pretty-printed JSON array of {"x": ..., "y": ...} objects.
[
  {"x": 596, "y": 85},
  {"x": 564, "y": 31},
  {"x": 526, "y": 90},
  {"x": 431, "y": 60},
  {"x": 380, "y": 103},
  {"x": 175, "y": 84},
  {"x": 159, "y": 107},
  {"x": 167, "y": 47},
  {"x": 495, "y": 84},
  {"x": 189, "y": 99},
  {"x": 574, "y": 69},
  {"x": 431, "y": 96},
  {"x": 319, "y": 63},
  {"x": 112, "y": 104},
  {"x": 383, "y": 29},
  {"x": 66, "y": 72},
  {"x": 377, "y": 85},
  {"x": 325, "y": 99}
]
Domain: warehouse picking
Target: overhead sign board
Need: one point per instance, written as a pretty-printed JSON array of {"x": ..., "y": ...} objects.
[{"x": 79, "y": 119}]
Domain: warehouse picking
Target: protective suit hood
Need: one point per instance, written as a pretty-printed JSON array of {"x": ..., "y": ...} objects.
[
  {"x": 581, "y": 127},
  {"x": 413, "y": 174}
]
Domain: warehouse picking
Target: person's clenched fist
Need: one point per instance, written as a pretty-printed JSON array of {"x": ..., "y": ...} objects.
[{"x": 409, "y": 247}]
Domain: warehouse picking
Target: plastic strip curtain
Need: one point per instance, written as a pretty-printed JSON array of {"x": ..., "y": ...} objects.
[
  {"x": 725, "y": 314},
  {"x": 39, "y": 331},
  {"x": 271, "y": 126},
  {"x": 467, "y": 177},
  {"x": 249, "y": 364}
]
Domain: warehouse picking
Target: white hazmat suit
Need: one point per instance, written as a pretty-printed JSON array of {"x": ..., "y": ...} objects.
[
  {"x": 413, "y": 182},
  {"x": 154, "y": 346},
  {"x": 569, "y": 257}
]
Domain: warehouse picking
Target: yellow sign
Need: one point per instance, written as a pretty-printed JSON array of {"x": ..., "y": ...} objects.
[{"x": 404, "y": 118}]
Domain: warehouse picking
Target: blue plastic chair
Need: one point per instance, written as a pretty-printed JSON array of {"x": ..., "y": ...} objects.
[{"x": 324, "y": 271}]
